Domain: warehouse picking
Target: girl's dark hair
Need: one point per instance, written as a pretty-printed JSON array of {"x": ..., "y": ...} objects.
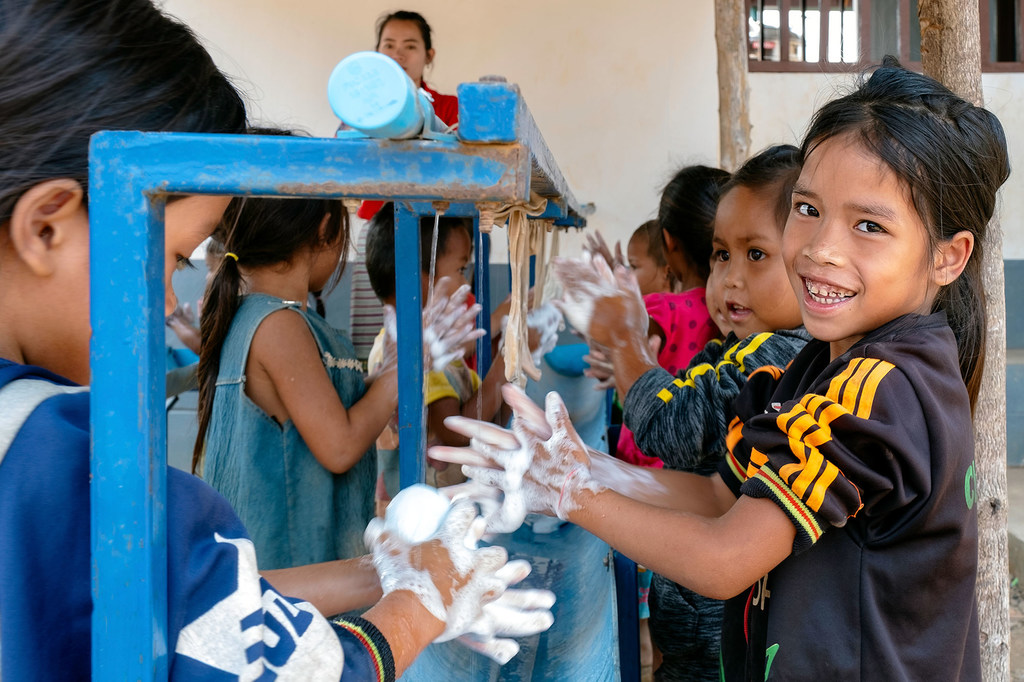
[
  {"x": 687, "y": 211},
  {"x": 261, "y": 233},
  {"x": 651, "y": 231},
  {"x": 773, "y": 169},
  {"x": 75, "y": 67},
  {"x": 403, "y": 15},
  {"x": 952, "y": 157},
  {"x": 380, "y": 246}
]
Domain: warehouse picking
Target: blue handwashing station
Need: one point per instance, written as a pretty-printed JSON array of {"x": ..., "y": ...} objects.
[{"x": 391, "y": 148}]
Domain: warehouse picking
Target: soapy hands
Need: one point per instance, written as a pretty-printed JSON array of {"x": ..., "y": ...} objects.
[
  {"x": 600, "y": 367},
  {"x": 604, "y": 305},
  {"x": 540, "y": 465},
  {"x": 464, "y": 587},
  {"x": 448, "y": 325},
  {"x": 595, "y": 245}
]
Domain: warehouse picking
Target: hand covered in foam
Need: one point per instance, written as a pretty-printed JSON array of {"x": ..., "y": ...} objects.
[
  {"x": 599, "y": 367},
  {"x": 603, "y": 305},
  {"x": 448, "y": 324},
  {"x": 465, "y": 587},
  {"x": 541, "y": 465},
  {"x": 597, "y": 246}
]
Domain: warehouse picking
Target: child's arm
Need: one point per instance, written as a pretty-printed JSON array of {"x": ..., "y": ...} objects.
[
  {"x": 685, "y": 419},
  {"x": 728, "y": 544},
  {"x": 677, "y": 490},
  {"x": 333, "y": 586},
  {"x": 286, "y": 377},
  {"x": 716, "y": 557}
]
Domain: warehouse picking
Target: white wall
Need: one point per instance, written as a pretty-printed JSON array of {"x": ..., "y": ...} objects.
[
  {"x": 623, "y": 93},
  {"x": 781, "y": 105},
  {"x": 621, "y": 98}
]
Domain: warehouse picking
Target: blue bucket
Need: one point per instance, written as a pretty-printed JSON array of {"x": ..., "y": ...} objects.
[{"x": 371, "y": 93}]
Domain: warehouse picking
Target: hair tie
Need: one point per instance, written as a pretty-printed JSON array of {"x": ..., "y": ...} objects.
[{"x": 231, "y": 255}]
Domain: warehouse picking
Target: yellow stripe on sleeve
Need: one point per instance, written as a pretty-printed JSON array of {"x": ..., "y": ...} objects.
[
  {"x": 754, "y": 344},
  {"x": 817, "y": 495},
  {"x": 867, "y": 399}
]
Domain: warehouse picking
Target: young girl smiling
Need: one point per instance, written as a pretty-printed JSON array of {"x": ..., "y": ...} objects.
[{"x": 848, "y": 475}]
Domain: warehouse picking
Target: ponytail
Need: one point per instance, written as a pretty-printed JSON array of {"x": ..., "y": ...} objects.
[
  {"x": 964, "y": 303},
  {"x": 220, "y": 303}
]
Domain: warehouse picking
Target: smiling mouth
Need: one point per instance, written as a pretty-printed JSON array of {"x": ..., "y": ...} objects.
[{"x": 826, "y": 294}]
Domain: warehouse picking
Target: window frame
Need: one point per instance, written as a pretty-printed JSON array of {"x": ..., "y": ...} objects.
[{"x": 862, "y": 8}]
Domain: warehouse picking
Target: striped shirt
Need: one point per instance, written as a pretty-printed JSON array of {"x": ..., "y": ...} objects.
[{"x": 871, "y": 456}]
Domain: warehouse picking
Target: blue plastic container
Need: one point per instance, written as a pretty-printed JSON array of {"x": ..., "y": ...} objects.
[{"x": 371, "y": 93}]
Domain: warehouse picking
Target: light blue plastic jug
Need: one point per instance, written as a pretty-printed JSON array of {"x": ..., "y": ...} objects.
[{"x": 371, "y": 93}]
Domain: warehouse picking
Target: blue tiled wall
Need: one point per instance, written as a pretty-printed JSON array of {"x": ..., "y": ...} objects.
[{"x": 1014, "y": 273}]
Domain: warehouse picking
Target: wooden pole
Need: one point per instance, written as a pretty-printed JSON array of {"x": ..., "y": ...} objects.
[
  {"x": 951, "y": 53},
  {"x": 733, "y": 95}
]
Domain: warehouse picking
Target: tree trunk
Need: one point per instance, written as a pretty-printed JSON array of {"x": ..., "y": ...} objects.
[
  {"x": 733, "y": 93},
  {"x": 951, "y": 53}
]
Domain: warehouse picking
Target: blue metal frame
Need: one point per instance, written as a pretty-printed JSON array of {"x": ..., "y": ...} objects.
[{"x": 130, "y": 175}]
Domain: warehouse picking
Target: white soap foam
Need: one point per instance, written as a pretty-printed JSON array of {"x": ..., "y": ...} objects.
[{"x": 416, "y": 513}]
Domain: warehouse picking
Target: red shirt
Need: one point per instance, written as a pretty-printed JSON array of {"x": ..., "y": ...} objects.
[
  {"x": 445, "y": 106},
  {"x": 447, "y": 109}
]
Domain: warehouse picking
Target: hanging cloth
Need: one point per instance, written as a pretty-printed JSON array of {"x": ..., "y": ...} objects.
[{"x": 525, "y": 238}]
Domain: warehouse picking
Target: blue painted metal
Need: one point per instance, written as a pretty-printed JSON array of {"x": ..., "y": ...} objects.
[
  {"x": 412, "y": 433},
  {"x": 627, "y": 602},
  {"x": 496, "y": 113},
  {"x": 482, "y": 290},
  {"x": 128, "y": 482},
  {"x": 130, "y": 172}
]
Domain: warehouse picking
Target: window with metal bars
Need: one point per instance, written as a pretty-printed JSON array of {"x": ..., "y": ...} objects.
[{"x": 847, "y": 35}]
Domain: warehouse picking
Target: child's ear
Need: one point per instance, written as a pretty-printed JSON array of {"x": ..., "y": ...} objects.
[
  {"x": 42, "y": 221},
  {"x": 322, "y": 230},
  {"x": 951, "y": 257},
  {"x": 670, "y": 241}
]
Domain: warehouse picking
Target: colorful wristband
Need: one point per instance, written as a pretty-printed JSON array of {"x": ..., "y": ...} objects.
[{"x": 371, "y": 638}]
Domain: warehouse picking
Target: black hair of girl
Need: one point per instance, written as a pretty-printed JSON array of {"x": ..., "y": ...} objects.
[
  {"x": 380, "y": 246},
  {"x": 90, "y": 65},
  {"x": 951, "y": 156},
  {"x": 774, "y": 168},
  {"x": 687, "y": 211},
  {"x": 405, "y": 15},
  {"x": 261, "y": 232}
]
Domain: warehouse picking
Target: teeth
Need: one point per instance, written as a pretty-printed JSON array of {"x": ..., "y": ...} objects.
[{"x": 824, "y": 295}]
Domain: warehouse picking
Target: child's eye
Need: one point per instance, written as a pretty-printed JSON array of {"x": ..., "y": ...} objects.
[
  {"x": 756, "y": 254},
  {"x": 868, "y": 226},
  {"x": 803, "y": 208},
  {"x": 184, "y": 264},
  {"x": 719, "y": 255}
]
